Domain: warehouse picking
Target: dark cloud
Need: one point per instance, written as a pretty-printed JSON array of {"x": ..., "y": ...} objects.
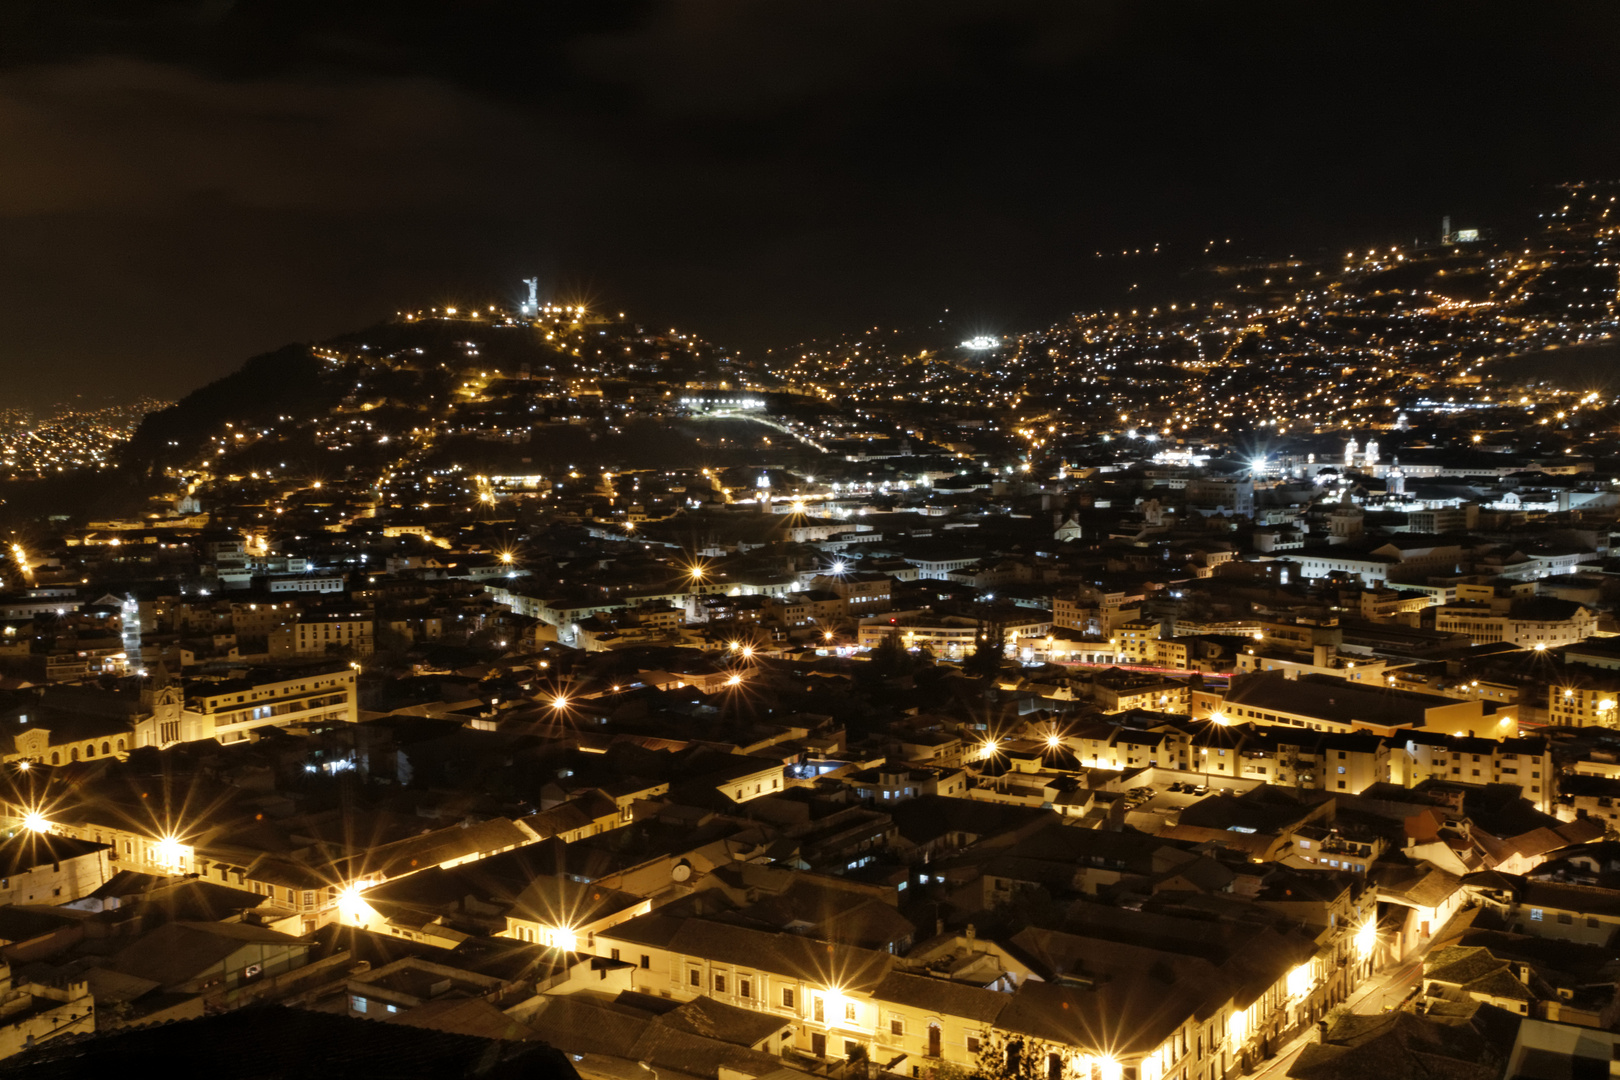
[
  {"x": 183, "y": 183},
  {"x": 134, "y": 137}
]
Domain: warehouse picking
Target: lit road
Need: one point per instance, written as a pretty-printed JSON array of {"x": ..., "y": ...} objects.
[
  {"x": 1388, "y": 988},
  {"x": 727, "y": 414}
]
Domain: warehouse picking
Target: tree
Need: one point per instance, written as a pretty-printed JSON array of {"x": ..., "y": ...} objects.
[
  {"x": 1004, "y": 1056},
  {"x": 988, "y": 652},
  {"x": 889, "y": 658}
]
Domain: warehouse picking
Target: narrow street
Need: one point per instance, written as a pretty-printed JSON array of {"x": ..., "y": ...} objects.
[{"x": 1387, "y": 988}]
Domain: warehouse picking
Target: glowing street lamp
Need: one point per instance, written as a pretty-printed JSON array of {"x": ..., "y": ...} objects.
[
  {"x": 352, "y": 907},
  {"x": 35, "y": 822},
  {"x": 1366, "y": 939},
  {"x": 169, "y": 853}
]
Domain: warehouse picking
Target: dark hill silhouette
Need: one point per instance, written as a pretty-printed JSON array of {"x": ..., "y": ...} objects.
[{"x": 289, "y": 381}]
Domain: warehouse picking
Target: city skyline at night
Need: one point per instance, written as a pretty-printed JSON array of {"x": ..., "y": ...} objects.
[{"x": 738, "y": 541}]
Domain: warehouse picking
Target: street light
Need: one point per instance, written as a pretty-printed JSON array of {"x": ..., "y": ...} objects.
[{"x": 1366, "y": 938}]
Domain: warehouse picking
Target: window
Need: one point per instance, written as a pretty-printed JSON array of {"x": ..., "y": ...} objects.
[
  {"x": 613, "y": 954},
  {"x": 646, "y": 962},
  {"x": 897, "y": 1026},
  {"x": 1566, "y": 918},
  {"x": 819, "y": 1009},
  {"x": 719, "y": 984},
  {"x": 787, "y": 997},
  {"x": 694, "y": 977},
  {"x": 973, "y": 1044},
  {"x": 1535, "y": 914},
  {"x": 849, "y": 1012},
  {"x": 745, "y": 987}
]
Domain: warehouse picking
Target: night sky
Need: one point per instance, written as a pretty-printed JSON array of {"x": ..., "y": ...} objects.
[{"x": 184, "y": 184}]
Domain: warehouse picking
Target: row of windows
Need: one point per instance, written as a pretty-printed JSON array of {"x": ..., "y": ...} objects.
[
  {"x": 1566, "y": 918},
  {"x": 108, "y": 746}
]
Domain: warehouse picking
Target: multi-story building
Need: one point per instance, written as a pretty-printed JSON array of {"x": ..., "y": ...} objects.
[
  {"x": 1325, "y": 703},
  {"x": 231, "y": 710},
  {"x": 324, "y": 633},
  {"x": 1584, "y": 700},
  {"x": 1535, "y": 623},
  {"x": 950, "y": 636},
  {"x": 1094, "y": 612}
]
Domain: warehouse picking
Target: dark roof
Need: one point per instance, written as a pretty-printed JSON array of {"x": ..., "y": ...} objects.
[
  {"x": 29, "y": 849},
  {"x": 1331, "y": 699},
  {"x": 179, "y": 951},
  {"x": 941, "y": 996},
  {"x": 1398, "y": 1046},
  {"x": 276, "y": 1043}
]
